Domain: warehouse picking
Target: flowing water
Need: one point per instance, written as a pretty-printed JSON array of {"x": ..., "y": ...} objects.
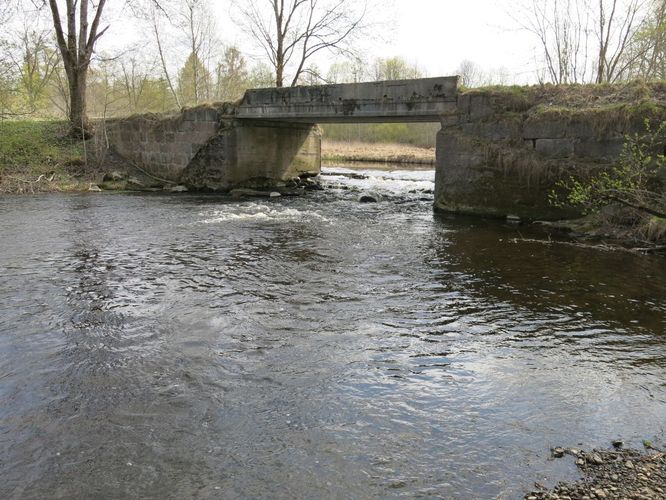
[{"x": 197, "y": 346}]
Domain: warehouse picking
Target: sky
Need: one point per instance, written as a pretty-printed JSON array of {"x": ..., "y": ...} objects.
[
  {"x": 437, "y": 35},
  {"x": 434, "y": 35}
]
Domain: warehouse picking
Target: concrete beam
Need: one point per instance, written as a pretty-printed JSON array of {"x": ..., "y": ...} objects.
[{"x": 420, "y": 100}]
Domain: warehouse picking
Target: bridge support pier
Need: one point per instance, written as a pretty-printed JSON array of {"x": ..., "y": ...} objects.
[{"x": 255, "y": 154}]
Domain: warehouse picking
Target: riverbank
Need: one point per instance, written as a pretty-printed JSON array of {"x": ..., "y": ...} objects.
[
  {"x": 39, "y": 156},
  {"x": 609, "y": 474},
  {"x": 364, "y": 152}
]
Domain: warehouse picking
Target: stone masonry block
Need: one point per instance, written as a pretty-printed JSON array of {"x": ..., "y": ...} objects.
[
  {"x": 480, "y": 107},
  {"x": 544, "y": 127},
  {"x": 606, "y": 149},
  {"x": 555, "y": 148}
]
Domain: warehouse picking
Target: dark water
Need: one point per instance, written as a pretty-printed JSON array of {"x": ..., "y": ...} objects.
[{"x": 191, "y": 346}]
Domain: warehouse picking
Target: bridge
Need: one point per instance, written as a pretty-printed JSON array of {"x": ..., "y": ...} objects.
[
  {"x": 499, "y": 151},
  {"x": 422, "y": 100},
  {"x": 271, "y": 136}
]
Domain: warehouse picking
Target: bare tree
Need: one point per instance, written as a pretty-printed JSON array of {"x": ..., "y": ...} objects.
[
  {"x": 471, "y": 74},
  {"x": 76, "y": 46},
  {"x": 198, "y": 28},
  {"x": 563, "y": 30},
  {"x": 647, "y": 57},
  {"x": 156, "y": 18},
  {"x": 617, "y": 24},
  {"x": 291, "y": 32},
  {"x": 353, "y": 70},
  {"x": 569, "y": 30},
  {"x": 34, "y": 58}
]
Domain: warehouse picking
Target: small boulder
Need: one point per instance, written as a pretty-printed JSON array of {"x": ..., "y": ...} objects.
[
  {"x": 178, "y": 189},
  {"x": 94, "y": 188},
  {"x": 114, "y": 176},
  {"x": 367, "y": 198}
]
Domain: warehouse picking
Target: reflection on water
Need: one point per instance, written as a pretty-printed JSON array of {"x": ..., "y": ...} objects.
[{"x": 178, "y": 346}]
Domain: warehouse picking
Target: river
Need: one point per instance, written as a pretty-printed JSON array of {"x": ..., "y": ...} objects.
[{"x": 177, "y": 346}]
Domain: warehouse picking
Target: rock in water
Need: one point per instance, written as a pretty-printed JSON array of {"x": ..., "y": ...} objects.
[
  {"x": 178, "y": 189},
  {"x": 366, "y": 198}
]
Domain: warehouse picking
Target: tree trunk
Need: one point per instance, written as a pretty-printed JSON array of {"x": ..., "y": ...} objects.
[
  {"x": 76, "y": 50},
  {"x": 78, "y": 105}
]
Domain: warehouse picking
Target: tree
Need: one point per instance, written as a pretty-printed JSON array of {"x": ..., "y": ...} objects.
[
  {"x": 616, "y": 29},
  {"x": 76, "y": 47},
  {"x": 394, "y": 68},
  {"x": 192, "y": 80},
  {"x": 471, "y": 74},
  {"x": 647, "y": 55},
  {"x": 35, "y": 61},
  {"x": 231, "y": 75},
  {"x": 353, "y": 70},
  {"x": 584, "y": 41},
  {"x": 564, "y": 33},
  {"x": 291, "y": 32}
]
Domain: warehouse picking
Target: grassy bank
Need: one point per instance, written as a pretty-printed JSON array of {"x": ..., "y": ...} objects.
[
  {"x": 376, "y": 153},
  {"x": 38, "y": 156}
]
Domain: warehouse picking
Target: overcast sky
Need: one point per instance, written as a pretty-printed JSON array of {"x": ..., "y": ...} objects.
[{"x": 436, "y": 35}]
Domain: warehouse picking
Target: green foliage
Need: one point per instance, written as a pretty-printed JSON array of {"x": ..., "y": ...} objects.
[
  {"x": 395, "y": 68},
  {"x": 631, "y": 182},
  {"x": 194, "y": 81},
  {"x": 37, "y": 147}
]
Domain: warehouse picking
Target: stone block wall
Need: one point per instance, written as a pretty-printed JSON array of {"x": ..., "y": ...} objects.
[
  {"x": 502, "y": 155},
  {"x": 256, "y": 154},
  {"x": 162, "y": 145},
  {"x": 208, "y": 148}
]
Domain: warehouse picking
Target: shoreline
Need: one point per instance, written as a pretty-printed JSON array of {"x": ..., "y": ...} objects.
[
  {"x": 362, "y": 152},
  {"x": 617, "y": 473}
]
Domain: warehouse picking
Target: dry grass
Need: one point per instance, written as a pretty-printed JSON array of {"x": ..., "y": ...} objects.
[{"x": 377, "y": 153}]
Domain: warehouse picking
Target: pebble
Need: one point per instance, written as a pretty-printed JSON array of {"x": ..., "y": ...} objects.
[
  {"x": 629, "y": 464},
  {"x": 558, "y": 452},
  {"x": 596, "y": 459}
]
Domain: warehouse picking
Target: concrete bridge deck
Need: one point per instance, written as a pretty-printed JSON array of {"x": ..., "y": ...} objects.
[{"x": 421, "y": 100}]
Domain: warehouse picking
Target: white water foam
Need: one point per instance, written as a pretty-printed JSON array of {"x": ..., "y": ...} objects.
[
  {"x": 396, "y": 183},
  {"x": 258, "y": 212}
]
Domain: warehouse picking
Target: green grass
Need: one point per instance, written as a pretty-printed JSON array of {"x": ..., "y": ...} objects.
[
  {"x": 30, "y": 149},
  {"x": 37, "y": 146}
]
